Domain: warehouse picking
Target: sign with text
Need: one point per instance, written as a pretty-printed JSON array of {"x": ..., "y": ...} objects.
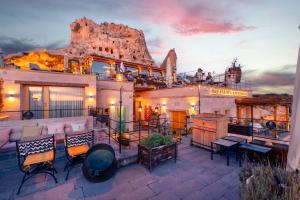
[{"x": 228, "y": 92}]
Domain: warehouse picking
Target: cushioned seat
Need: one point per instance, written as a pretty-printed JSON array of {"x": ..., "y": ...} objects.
[
  {"x": 39, "y": 158},
  {"x": 78, "y": 150}
]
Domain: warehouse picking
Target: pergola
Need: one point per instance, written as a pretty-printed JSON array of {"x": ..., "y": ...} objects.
[{"x": 265, "y": 100}]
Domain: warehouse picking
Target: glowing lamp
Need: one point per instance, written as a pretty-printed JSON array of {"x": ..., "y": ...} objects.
[{"x": 119, "y": 77}]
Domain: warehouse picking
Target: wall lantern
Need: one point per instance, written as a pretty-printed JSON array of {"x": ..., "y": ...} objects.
[
  {"x": 119, "y": 77},
  {"x": 91, "y": 97},
  {"x": 11, "y": 96},
  {"x": 193, "y": 107}
]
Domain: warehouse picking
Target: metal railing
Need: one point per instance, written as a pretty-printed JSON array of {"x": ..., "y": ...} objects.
[
  {"x": 141, "y": 129},
  {"x": 44, "y": 113},
  {"x": 259, "y": 128}
]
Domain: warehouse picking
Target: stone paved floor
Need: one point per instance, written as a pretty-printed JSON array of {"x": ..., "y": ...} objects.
[{"x": 194, "y": 176}]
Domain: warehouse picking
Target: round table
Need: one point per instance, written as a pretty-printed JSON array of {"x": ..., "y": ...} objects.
[{"x": 100, "y": 163}]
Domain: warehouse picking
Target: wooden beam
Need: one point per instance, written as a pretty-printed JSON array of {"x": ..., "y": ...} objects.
[{"x": 39, "y": 83}]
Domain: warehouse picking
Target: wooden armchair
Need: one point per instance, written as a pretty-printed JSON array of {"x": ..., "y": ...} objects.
[
  {"x": 76, "y": 146},
  {"x": 36, "y": 155}
]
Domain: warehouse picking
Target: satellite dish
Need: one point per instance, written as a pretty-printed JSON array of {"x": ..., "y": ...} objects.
[{"x": 271, "y": 125}]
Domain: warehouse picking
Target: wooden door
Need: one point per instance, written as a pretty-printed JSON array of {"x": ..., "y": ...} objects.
[{"x": 178, "y": 121}]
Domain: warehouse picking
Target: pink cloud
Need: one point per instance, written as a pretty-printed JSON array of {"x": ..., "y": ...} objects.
[{"x": 191, "y": 18}]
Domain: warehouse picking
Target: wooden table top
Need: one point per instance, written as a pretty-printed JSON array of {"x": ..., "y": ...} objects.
[
  {"x": 235, "y": 139},
  {"x": 225, "y": 143}
]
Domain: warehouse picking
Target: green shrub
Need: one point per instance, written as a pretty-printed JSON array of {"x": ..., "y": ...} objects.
[
  {"x": 267, "y": 182},
  {"x": 156, "y": 140}
]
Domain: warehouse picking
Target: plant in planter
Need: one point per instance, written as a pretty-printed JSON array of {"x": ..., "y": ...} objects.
[
  {"x": 156, "y": 149},
  {"x": 267, "y": 182}
]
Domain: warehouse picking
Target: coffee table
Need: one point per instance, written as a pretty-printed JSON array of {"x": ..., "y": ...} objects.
[{"x": 100, "y": 163}]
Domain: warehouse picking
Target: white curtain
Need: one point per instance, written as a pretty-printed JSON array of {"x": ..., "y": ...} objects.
[
  {"x": 293, "y": 158},
  {"x": 65, "y": 102},
  {"x": 36, "y": 102}
]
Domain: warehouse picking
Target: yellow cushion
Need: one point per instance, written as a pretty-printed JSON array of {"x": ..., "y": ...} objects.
[
  {"x": 31, "y": 131},
  {"x": 78, "y": 150},
  {"x": 39, "y": 158}
]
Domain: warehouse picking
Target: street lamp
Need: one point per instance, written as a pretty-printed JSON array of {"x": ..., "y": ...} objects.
[
  {"x": 120, "y": 117},
  {"x": 199, "y": 86},
  {"x": 140, "y": 110}
]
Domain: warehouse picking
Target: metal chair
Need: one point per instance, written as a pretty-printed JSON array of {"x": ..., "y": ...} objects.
[
  {"x": 76, "y": 146},
  {"x": 36, "y": 155}
]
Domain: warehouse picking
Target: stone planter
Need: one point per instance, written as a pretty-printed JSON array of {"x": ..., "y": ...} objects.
[{"x": 152, "y": 157}]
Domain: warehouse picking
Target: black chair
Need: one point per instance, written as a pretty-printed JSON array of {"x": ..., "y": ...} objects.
[
  {"x": 36, "y": 155},
  {"x": 76, "y": 146}
]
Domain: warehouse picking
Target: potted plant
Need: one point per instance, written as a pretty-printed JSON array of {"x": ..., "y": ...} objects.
[{"x": 155, "y": 149}]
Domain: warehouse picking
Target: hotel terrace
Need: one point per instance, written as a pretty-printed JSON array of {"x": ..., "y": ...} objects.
[{"x": 106, "y": 81}]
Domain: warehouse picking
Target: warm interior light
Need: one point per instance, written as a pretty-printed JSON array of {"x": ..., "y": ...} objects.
[
  {"x": 140, "y": 109},
  {"x": 156, "y": 109},
  {"x": 119, "y": 77}
]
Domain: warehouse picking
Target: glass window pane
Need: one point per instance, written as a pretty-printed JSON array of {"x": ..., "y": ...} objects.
[
  {"x": 36, "y": 102},
  {"x": 132, "y": 70},
  {"x": 101, "y": 69},
  {"x": 65, "y": 102}
]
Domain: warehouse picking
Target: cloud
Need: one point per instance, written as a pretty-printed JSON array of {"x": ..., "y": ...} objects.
[
  {"x": 276, "y": 81},
  {"x": 191, "y": 18},
  {"x": 14, "y": 45}
]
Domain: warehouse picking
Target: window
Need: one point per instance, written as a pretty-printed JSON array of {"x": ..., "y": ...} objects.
[
  {"x": 145, "y": 72},
  {"x": 65, "y": 102},
  {"x": 133, "y": 71},
  {"x": 36, "y": 102},
  {"x": 156, "y": 74},
  {"x": 54, "y": 102},
  {"x": 101, "y": 69}
]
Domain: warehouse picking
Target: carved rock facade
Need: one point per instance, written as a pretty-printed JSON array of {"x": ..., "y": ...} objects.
[{"x": 108, "y": 39}]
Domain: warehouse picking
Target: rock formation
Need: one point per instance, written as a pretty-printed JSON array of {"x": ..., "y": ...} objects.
[
  {"x": 108, "y": 39},
  {"x": 173, "y": 60}
]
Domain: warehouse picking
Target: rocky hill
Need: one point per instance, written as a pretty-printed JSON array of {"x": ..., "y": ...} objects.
[{"x": 108, "y": 39}]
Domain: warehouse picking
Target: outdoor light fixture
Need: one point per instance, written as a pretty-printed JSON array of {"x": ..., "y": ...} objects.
[
  {"x": 11, "y": 95},
  {"x": 140, "y": 109},
  {"x": 156, "y": 109},
  {"x": 119, "y": 77},
  {"x": 91, "y": 97},
  {"x": 193, "y": 107}
]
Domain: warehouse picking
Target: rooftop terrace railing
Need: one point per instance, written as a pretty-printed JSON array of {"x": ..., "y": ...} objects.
[
  {"x": 260, "y": 128},
  {"x": 143, "y": 128},
  {"x": 46, "y": 113}
]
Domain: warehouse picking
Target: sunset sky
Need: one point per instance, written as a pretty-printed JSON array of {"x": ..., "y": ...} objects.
[{"x": 262, "y": 34}]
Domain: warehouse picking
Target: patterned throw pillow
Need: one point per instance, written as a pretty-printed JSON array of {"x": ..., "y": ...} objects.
[
  {"x": 78, "y": 127},
  {"x": 31, "y": 131},
  {"x": 4, "y": 135},
  {"x": 55, "y": 128}
]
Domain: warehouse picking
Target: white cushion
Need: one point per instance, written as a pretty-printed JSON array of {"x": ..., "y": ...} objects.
[
  {"x": 78, "y": 127},
  {"x": 55, "y": 128}
]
